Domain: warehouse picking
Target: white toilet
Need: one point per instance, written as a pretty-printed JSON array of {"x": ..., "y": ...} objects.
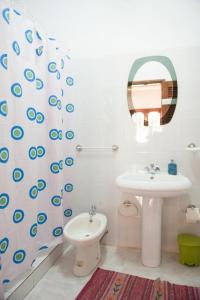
[{"x": 84, "y": 232}]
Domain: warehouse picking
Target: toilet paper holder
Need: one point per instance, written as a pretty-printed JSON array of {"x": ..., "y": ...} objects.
[
  {"x": 192, "y": 214},
  {"x": 192, "y": 206},
  {"x": 128, "y": 203}
]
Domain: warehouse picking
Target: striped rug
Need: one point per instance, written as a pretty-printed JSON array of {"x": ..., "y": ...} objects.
[{"x": 110, "y": 285}]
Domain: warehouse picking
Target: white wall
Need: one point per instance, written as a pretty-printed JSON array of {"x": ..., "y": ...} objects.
[
  {"x": 105, "y": 37},
  {"x": 102, "y": 27}
]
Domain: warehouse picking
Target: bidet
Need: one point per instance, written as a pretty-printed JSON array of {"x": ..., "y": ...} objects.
[{"x": 85, "y": 235}]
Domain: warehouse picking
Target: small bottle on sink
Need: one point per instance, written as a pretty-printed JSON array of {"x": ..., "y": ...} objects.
[{"x": 172, "y": 168}]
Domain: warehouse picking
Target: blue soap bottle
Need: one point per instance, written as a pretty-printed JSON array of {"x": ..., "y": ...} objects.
[{"x": 172, "y": 168}]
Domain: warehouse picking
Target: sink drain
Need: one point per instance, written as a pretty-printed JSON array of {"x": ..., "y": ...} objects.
[{"x": 86, "y": 235}]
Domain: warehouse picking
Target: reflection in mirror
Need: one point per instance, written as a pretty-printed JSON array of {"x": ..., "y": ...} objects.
[{"x": 152, "y": 91}]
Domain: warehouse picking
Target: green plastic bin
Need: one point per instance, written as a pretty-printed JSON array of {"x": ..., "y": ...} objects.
[{"x": 189, "y": 249}]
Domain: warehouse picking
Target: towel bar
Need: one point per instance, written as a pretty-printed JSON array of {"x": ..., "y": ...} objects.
[{"x": 79, "y": 148}]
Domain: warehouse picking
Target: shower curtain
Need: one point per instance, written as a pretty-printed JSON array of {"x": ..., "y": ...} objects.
[{"x": 35, "y": 107}]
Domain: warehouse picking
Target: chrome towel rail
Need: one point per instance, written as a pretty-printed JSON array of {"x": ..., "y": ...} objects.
[{"x": 79, "y": 148}]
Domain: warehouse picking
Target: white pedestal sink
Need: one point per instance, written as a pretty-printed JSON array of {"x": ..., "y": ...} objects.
[{"x": 153, "y": 188}]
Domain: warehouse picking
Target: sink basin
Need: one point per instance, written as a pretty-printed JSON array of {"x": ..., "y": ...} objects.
[
  {"x": 158, "y": 185},
  {"x": 152, "y": 188}
]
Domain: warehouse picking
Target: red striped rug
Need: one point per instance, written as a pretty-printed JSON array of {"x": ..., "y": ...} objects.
[{"x": 110, "y": 285}]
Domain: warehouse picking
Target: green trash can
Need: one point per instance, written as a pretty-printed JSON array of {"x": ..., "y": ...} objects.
[{"x": 189, "y": 249}]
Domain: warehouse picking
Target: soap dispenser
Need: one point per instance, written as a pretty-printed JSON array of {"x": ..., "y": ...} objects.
[{"x": 172, "y": 168}]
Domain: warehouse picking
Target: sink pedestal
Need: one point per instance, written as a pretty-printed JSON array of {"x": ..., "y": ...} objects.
[
  {"x": 151, "y": 231},
  {"x": 153, "y": 189}
]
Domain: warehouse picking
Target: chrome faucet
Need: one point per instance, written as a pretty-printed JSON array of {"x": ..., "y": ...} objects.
[
  {"x": 152, "y": 169},
  {"x": 92, "y": 212}
]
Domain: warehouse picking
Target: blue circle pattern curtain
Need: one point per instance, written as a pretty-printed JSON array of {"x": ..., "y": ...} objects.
[{"x": 36, "y": 113}]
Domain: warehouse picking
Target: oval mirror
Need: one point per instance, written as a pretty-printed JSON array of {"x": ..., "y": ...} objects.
[{"x": 152, "y": 90}]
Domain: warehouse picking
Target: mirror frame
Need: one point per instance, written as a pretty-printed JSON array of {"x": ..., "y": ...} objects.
[{"x": 166, "y": 62}]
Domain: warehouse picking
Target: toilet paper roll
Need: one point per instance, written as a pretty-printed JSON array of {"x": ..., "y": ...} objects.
[
  {"x": 128, "y": 209},
  {"x": 192, "y": 215}
]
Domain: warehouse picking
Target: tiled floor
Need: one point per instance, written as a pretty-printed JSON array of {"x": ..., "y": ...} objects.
[{"x": 60, "y": 284}]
